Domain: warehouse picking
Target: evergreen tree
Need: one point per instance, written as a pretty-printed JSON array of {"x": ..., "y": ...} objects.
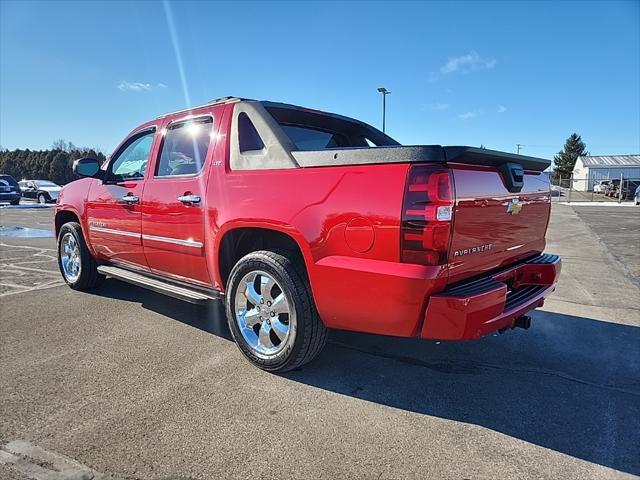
[
  {"x": 566, "y": 158},
  {"x": 58, "y": 167},
  {"x": 54, "y": 164}
]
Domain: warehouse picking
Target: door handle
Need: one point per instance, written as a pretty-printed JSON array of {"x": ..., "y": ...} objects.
[
  {"x": 189, "y": 199},
  {"x": 130, "y": 199}
]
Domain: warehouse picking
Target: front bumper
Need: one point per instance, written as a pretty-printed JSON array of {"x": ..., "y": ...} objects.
[
  {"x": 474, "y": 309},
  {"x": 53, "y": 196}
]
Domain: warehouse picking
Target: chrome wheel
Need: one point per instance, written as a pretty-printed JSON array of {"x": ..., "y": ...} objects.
[
  {"x": 42, "y": 199},
  {"x": 264, "y": 314},
  {"x": 70, "y": 257}
]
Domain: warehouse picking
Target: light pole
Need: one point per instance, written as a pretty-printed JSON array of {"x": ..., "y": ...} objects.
[
  {"x": 519, "y": 147},
  {"x": 384, "y": 93}
]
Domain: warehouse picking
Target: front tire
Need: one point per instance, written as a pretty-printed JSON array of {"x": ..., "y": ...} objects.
[
  {"x": 78, "y": 268},
  {"x": 271, "y": 313},
  {"x": 15, "y": 202}
]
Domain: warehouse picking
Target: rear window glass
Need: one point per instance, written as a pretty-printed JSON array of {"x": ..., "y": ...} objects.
[
  {"x": 307, "y": 138},
  {"x": 313, "y": 130},
  {"x": 184, "y": 148},
  {"x": 8, "y": 180}
]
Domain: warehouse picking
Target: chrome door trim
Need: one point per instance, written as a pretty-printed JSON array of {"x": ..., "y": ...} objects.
[
  {"x": 175, "y": 241},
  {"x": 114, "y": 232}
]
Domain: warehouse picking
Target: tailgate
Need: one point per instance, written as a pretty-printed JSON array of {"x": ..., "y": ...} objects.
[{"x": 493, "y": 227}]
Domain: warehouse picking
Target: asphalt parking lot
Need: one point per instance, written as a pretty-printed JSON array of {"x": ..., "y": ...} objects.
[
  {"x": 618, "y": 229},
  {"x": 123, "y": 383}
]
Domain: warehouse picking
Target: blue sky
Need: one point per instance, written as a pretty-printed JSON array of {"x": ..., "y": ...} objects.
[{"x": 493, "y": 73}]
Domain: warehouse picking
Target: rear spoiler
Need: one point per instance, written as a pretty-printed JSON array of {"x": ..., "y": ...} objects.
[
  {"x": 493, "y": 158},
  {"x": 511, "y": 166}
]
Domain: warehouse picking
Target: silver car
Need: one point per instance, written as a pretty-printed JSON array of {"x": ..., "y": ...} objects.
[{"x": 44, "y": 191}]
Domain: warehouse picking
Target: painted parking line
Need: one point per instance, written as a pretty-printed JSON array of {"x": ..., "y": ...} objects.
[
  {"x": 597, "y": 204},
  {"x": 40, "y": 464},
  {"x": 26, "y": 269},
  {"x": 24, "y": 232}
]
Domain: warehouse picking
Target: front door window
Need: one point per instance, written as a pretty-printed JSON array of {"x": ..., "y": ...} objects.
[{"x": 131, "y": 163}]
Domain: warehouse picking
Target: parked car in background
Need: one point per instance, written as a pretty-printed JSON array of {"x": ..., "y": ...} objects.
[
  {"x": 601, "y": 187},
  {"x": 9, "y": 190},
  {"x": 44, "y": 191},
  {"x": 612, "y": 188},
  {"x": 298, "y": 224},
  {"x": 636, "y": 196},
  {"x": 628, "y": 190}
]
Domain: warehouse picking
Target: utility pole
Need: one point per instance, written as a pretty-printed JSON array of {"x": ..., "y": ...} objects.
[
  {"x": 384, "y": 93},
  {"x": 519, "y": 147}
]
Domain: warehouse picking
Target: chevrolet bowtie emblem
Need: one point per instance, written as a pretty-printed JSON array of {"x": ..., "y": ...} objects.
[{"x": 514, "y": 206}]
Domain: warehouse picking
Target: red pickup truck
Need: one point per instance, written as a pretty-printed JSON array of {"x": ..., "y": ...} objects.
[{"x": 302, "y": 220}]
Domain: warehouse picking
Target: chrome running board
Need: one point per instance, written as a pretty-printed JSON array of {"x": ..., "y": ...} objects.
[{"x": 191, "y": 295}]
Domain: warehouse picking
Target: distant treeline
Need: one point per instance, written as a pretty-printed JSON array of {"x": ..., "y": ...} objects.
[{"x": 54, "y": 164}]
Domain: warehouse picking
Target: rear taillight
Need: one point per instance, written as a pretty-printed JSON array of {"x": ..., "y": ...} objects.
[{"x": 427, "y": 212}]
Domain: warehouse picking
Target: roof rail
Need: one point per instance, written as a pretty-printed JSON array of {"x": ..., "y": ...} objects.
[{"x": 217, "y": 101}]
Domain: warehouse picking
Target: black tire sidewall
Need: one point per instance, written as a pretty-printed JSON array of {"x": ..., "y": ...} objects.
[
  {"x": 88, "y": 277},
  {"x": 256, "y": 261}
]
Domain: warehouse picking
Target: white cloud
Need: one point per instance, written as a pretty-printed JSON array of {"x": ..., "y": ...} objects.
[
  {"x": 502, "y": 109},
  {"x": 439, "y": 106},
  {"x": 469, "y": 115},
  {"x": 139, "y": 86},
  {"x": 467, "y": 63}
]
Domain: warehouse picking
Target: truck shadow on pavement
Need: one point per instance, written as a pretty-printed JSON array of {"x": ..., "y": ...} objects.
[
  {"x": 569, "y": 384},
  {"x": 210, "y": 319}
]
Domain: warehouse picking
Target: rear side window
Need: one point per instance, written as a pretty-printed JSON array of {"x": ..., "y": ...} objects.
[
  {"x": 184, "y": 148},
  {"x": 307, "y": 138},
  {"x": 248, "y": 137}
]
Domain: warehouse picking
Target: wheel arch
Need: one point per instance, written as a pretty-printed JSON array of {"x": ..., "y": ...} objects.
[
  {"x": 238, "y": 241},
  {"x": 66, "y": 215}
]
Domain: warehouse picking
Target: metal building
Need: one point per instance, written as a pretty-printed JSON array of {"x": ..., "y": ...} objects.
[{"x": 589, "y": 170}]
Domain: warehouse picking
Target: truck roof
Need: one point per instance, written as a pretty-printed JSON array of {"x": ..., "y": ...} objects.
[
  {"x": 387, "y": 151},
  {"x": 266, "y": 104}
]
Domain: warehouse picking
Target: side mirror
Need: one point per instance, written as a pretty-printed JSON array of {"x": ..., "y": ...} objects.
[{"x": 86, "y": 167}]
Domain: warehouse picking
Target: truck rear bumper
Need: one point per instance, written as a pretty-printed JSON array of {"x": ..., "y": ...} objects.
[{"x": 474, "y": 309}]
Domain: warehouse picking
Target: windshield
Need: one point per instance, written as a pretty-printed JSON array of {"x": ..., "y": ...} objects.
[{"x": 45, "y": 183}]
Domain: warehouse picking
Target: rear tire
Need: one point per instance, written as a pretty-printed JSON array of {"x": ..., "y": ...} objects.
[
  {"x": 42, "y": 199},
  {"x": 78, "y": 268},
  {"x": 271, "y": 313},
  {"x": 15, "y": 202}
]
